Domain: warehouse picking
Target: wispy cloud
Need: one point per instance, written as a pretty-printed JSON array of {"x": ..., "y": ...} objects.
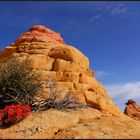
[
  {"x": 124, "y": 91},
  {"x": 95, "y": 18},
  {"x": 120, "y": 10},
  {"x": 100, "y": 74},
  {"x": 70, "y": 24},
  {"x": 120, "y": 93}
]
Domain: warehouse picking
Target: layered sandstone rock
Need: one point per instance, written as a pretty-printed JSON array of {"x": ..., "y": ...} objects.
[
  {"x": 132, "y": 109},
  {"x": 52, "y": 58}
]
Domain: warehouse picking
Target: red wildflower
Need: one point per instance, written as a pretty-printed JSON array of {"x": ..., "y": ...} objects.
[{"x": 14, "y": 113}]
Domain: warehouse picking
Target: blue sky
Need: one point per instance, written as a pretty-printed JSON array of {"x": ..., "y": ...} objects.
[{"x": 107, "y": 32}]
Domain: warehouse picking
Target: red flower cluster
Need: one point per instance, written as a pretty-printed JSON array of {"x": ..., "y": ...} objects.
[{"x": 14, "y": 113}]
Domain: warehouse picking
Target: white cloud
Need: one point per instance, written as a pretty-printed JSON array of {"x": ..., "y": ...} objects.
[
  {"x": 124, "y": 91},
  {"x": 120, "y": 93},
  {"x": 120, "y": 10},
  {"x": 112, "y": 9},
  {"x": 100, "y": 74},
  {"x": 70, "y": 24},
  {"x": 95, "y": 18}
]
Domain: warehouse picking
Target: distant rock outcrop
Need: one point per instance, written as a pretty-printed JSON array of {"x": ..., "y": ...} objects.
[{"x": 132, "y": 109}]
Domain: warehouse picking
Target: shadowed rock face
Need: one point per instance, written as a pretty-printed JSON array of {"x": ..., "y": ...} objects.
[
  {"x": 52, "y": 58},
  {"x": 132, "y": 109}
]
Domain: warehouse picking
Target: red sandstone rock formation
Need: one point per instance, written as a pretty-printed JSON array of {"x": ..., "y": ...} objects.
[
  {"x": 132, "y": 109},
  {"x": 39, "y": 33},
  {"x": 54, "y": 59}
]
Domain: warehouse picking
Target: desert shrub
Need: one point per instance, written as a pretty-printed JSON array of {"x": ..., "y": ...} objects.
[
  {"x": 13, "y": 114},
  {"x": 18, "y": 83},
  {"x": 54, "y": 100}
]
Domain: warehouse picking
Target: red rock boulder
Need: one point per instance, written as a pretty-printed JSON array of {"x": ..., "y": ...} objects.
[{"x": 132, "y": 109}]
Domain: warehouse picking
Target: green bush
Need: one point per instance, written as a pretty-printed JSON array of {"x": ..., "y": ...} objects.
[{"x": 18, "y": 83}]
